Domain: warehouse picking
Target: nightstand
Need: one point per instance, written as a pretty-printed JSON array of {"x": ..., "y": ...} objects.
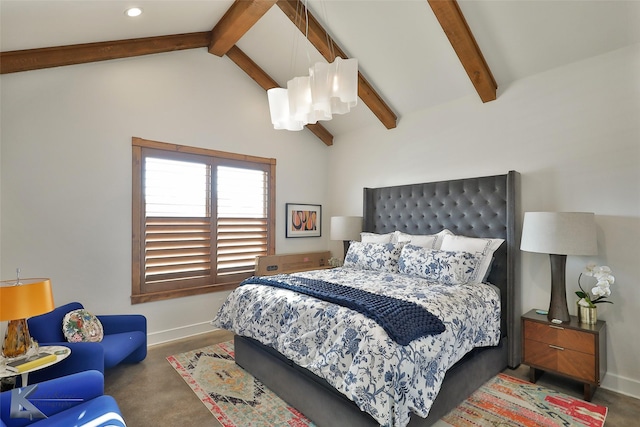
[{"x": 574, "y": 350}]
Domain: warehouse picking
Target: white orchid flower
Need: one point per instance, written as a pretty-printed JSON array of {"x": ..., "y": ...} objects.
[
  {"x": 603, "y": 283},
  {"x": 598, "y": 291},
  {"x": 602, "y": 270},
  {"x": 606, "y": 278},
  {"x": 588, "y": 270},
  {"x": 602, "y": 288}
]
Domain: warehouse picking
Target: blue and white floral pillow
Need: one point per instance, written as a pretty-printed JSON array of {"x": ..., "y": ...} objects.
[
  {"x": 446, "y": 267},
  {"x": 373, "y": 256},
  {"x": 482, "y": 247}
]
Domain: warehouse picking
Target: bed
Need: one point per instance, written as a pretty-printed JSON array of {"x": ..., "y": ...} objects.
[{"x": 484, "y": 207}]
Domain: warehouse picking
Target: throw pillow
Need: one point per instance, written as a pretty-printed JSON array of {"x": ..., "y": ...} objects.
[
  {"x": 82, "y": 326},
  {"x": 445, "y": 267},
  {"x": 486, "y": 247},
  {"x": 366, "y": 237},
  {"x": 431, "y": 241},
  {"x": 373, "y": 256}
]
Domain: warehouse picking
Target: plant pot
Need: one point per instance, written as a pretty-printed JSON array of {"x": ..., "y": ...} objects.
[{"x": 587, "y": 315}]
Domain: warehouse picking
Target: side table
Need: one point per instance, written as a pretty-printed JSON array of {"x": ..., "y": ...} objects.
[
  {"x": 60, "y": 351},
  {"x": 573, "y": 349}
]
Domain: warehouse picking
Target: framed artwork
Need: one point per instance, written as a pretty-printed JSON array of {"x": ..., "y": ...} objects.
[{"x": 304, "y": 220}]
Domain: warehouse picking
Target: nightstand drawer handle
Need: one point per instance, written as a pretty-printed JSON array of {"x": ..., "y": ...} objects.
[
  {"x": 556, "y": 327},
  {"x": 556, "y": 347}
]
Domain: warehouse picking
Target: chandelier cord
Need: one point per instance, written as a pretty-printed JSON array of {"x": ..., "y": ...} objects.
[
  {"x": 306, "y": 31},
  {"x": 329, "y": 39}
]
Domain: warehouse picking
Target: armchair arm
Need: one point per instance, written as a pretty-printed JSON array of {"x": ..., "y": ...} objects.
[
  {"x": 54, "y": 396},
  {"x": 119, "y": 323}
]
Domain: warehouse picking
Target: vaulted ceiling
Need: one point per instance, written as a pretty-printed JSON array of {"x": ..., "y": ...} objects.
[{"x": 412, "y": 55}]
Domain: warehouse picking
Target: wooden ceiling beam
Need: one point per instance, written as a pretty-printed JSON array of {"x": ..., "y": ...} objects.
[
  {"x": 48, "y": 57},
  {"x": 266, "y": 82},
  {"x": 295, "y": 11},
  {"x": 455, "y": 27},
  {"x": 237, "y": 20}
]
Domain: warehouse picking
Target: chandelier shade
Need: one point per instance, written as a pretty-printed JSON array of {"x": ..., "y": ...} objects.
[
  {"x": 344, "y": 83},
  {"x": 328, "y": 89},
  {"x": 279, "y": 108}
]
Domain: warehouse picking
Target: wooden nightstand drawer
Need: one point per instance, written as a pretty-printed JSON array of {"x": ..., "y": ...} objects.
[
  {"x": 560, "y": 359},
  {"x": 559, "y": 336},
  {"x": 572, "y": 349}
]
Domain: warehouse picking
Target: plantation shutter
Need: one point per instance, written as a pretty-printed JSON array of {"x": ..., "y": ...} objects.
[
  {"x": 199, "y": 219},
  {"x": 177, "y": 222},
  {"x": 242, "y": 206},
  {"x": 202, "y": 221}
]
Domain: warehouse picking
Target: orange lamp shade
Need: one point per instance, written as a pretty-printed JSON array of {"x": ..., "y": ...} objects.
[{"x": 29, "y": 298}]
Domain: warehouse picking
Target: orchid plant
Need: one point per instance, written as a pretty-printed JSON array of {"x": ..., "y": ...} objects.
[{"x": 601, "y": 290}]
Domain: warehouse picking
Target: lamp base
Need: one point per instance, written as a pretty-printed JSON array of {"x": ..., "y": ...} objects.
[
  {"x": 346, "y": 244},
  {"x": 17, "y": 339},
  {"x": 558, "y": 305}
]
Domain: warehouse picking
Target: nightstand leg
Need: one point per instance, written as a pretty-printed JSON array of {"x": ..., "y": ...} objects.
[
  {"x": 534, "y": 374},
  {"x": 589, "y": 389}
]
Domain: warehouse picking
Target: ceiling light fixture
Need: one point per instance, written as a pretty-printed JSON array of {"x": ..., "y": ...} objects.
[
  {"x": 133, "y": 12},
  {"x": 328, "y": 89}
]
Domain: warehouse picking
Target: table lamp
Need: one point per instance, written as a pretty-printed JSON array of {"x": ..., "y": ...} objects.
[
  {"x": 20, "y": 299},
  {"x": 346, "y": 228},
  {"x": 559, "y": 234}
]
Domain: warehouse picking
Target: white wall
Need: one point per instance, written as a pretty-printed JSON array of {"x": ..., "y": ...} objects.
[
  {"x": 66, "y": 170},
  {"x": 574, "y": 135}
]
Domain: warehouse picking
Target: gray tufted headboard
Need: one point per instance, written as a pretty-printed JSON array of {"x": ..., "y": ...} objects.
[{"x": 474, "y": 207}]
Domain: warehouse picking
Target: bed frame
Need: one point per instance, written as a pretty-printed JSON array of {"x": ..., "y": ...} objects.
[{"x": 475, "y": 207}]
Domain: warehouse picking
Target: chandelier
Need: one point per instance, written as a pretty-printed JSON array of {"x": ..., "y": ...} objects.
[{"x": 330, "y": 88}]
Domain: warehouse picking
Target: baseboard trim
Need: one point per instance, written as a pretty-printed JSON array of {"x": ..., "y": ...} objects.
[
  {"x": 622, "y": 385},
  {"x": 168, "y": 335}
]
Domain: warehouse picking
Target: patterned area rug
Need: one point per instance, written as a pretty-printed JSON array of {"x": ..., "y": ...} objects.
[
  {"x": 508, "y": 401},
  {"x": 236, "y": 399}
]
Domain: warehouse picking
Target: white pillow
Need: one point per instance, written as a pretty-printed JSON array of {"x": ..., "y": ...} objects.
[
  {"x": 485, "y": 247},
  {"x": 373, "y": 256},
  {"x": 375, "y": 238},
  {"x": 431, "y": 241},
  {"x": 445, "y": 267}
]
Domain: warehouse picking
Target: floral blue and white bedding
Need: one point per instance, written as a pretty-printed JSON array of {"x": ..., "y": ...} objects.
[{"x": 352, "y": 352}]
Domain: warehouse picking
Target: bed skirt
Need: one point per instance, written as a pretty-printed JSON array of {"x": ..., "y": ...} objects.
[{"x": 326, "y": 407}]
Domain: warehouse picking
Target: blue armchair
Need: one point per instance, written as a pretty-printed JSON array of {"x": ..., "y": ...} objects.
[
  {"x": 72, "y": 400},
  {"x": 125, "y": 341}
]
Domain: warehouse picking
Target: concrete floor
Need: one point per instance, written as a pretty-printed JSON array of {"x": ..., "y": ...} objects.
[{"x": 152, "y": 393}]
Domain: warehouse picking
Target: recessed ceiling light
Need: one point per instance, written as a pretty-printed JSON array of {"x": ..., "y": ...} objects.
[{"x": 133, "y": 11}]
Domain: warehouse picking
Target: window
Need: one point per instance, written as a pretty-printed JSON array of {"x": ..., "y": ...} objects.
[{"x": 200, "y": 217}]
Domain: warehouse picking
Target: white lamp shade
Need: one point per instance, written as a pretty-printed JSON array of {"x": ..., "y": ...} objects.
[
  {"x": 344, "y": 73},
  {"x": 559, "y": 233},
  {"x": 299, "y": 89},
  {"x": 321, "y": 90},
  {"x": 346, "y": 227},
  {"x": 279, "y": 108}
]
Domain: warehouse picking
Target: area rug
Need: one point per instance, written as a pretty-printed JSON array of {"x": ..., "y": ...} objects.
[
  {"x": 237, "y": 399},
  {"x": 508, "y": 401},
  {"x": 234, "y": 397}
]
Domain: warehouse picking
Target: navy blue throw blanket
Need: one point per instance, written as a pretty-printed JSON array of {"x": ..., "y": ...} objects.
[{"x": 404, "y": 321}]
